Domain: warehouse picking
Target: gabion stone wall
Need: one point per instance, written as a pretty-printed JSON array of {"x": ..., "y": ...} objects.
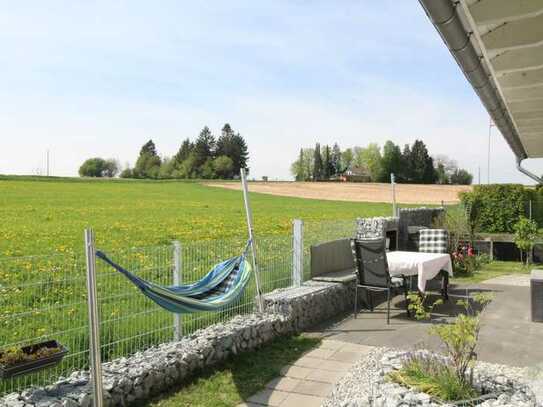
[
  {"x": 416, "y": 217},
  {"x": 132, "y": 380},
  {"x": 373, "y": 228},
  {"x": 312, "y": 303}
]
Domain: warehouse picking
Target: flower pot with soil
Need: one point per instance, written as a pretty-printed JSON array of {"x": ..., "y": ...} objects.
[{"x": 27, "y": 359}]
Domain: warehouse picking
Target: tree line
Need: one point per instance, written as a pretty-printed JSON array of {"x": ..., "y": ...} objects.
[
  {"x": 413, "y": 164},
  {"x": 207, "y": 157}
]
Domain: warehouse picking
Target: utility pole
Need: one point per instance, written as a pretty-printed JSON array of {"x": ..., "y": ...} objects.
[
  {"x": 47, "y": 162},
  {"x": 479, "y": 170},
  {"x": 490, "y": 125}
]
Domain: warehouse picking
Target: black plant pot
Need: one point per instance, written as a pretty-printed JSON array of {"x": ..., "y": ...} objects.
[{"x": 34, "y": 365}]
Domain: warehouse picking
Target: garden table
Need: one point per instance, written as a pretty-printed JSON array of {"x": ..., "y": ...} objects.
[{"x": 424, "y": 265}]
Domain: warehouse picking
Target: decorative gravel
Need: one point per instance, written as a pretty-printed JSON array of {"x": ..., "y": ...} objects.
[{"x": 366, "y": 385}]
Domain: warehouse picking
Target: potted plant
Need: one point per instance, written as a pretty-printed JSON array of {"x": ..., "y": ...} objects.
[{"x": 22, "y": 360}]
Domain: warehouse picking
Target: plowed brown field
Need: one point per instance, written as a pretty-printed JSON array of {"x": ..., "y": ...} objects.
[{"x": 356, "y": 192}]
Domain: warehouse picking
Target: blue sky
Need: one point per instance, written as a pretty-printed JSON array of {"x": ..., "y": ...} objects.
[{"x": 100, "y": 78}]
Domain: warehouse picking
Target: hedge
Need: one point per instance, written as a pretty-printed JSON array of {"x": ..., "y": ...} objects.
[{"x": 496, "y": 208}]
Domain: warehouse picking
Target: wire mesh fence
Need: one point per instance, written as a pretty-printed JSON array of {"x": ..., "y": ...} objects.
[{"x": 44, "y": 298}]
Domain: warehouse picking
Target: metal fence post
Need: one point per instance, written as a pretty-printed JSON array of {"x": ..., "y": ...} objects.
[
  {"x": 94, "y": 320},
  {"x": 177, "y": 270},
  {"x": 393, "y": 186},
  {"x": 491, "y": 250},
  {"x": 297, "y": 252},
  {"x": 249, "y": 215}
]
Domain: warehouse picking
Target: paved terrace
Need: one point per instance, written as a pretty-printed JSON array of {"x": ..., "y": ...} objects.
[{"x": 507, "y": 337}]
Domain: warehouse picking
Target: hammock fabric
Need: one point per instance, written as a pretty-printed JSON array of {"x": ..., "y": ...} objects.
[{"x": 219, "y": 288}]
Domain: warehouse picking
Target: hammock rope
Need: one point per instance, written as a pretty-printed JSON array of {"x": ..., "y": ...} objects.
[{"x": 220, "y": 287}]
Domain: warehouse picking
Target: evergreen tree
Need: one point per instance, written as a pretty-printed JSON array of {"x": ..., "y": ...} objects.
[
  {"x": 148, "y": 163},
  {"x": 391, "y": 163},
  {"x": 186, "y": 148},
  {"x": 406, "y": 173},
  {"x": 422, "y": 165},
  {"x": 225, "y": 143},
  {"x": 327, "y": 163},
  {"x": 149, "y": 148},
  {"x": 240, "y": 158},
  {"x": 336, "y": 160},
  {"x": 204, "y": 149},
  {"x": 233, "y": 145},
  {"x": 317, "y": 163}
]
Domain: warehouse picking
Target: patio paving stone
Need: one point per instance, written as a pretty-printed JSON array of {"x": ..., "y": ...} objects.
[
  {"x": 324, "y": 376},
  {"x": 312, "y": 388},
  {"x": 269, "y": 397},
  {"x": 283, "y": 383},
  {"x": 295, "y": 372},
  {"x": 302, "y": 400}
]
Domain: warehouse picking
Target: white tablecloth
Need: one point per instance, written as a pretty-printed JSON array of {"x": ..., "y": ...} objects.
[{"x": 425, "y": 265}]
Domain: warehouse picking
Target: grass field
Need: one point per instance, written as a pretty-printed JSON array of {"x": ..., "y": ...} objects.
[
  {"x": 47, "y": 215},
  {"x": 43, "y": 296}
]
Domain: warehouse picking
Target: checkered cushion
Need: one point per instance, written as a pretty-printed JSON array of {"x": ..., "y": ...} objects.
[{"x": 433, "y": 241}]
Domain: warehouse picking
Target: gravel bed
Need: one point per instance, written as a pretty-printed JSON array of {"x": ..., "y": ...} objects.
[{"x": 366, "y": 385}]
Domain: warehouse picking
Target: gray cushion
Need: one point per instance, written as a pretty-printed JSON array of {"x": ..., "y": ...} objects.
[
  {"x": 331, "y": 257},
  {"x": 344, "y": 276}
]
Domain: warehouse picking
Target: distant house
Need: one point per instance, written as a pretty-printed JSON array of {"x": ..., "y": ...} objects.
[{"x": 356, "y": 174}]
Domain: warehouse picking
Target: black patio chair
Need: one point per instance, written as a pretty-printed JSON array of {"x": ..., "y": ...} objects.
[{"x": 372, "y": 272}]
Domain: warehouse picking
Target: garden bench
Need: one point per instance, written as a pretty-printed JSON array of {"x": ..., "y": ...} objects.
[{"x": 333, "y": 262}]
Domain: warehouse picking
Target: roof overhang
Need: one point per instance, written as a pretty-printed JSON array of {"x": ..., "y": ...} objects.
[{"x": 498, "y": 44}]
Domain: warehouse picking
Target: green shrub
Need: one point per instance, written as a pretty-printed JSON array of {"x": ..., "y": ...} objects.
[
  {"x": 419, "y": 308},
  {"x": 496, "y": 208},
  {"x": 525, "y": 235},
  {"x": 449, "y": 378},
  {"x": 460, "y": 337},
  {"x": 431, "y": 375},
  {"x": 455, "y": 221}
]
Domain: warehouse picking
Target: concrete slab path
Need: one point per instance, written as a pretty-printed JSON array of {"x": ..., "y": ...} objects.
[{"x": 310, "y": 379}]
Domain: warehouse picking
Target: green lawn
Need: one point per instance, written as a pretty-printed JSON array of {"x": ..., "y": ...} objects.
[
  {"x": 43, "y": 297},
  {"x": 238, "y": 378},
  {"x": 493, "y": 269},
  {"x": 48, "y": 215}
]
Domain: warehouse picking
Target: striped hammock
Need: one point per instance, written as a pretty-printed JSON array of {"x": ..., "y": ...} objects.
[{"x": 219, "y": 288}]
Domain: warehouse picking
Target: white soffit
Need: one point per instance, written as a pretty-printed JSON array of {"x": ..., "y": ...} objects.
[{"x": 509, "y": 34}]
